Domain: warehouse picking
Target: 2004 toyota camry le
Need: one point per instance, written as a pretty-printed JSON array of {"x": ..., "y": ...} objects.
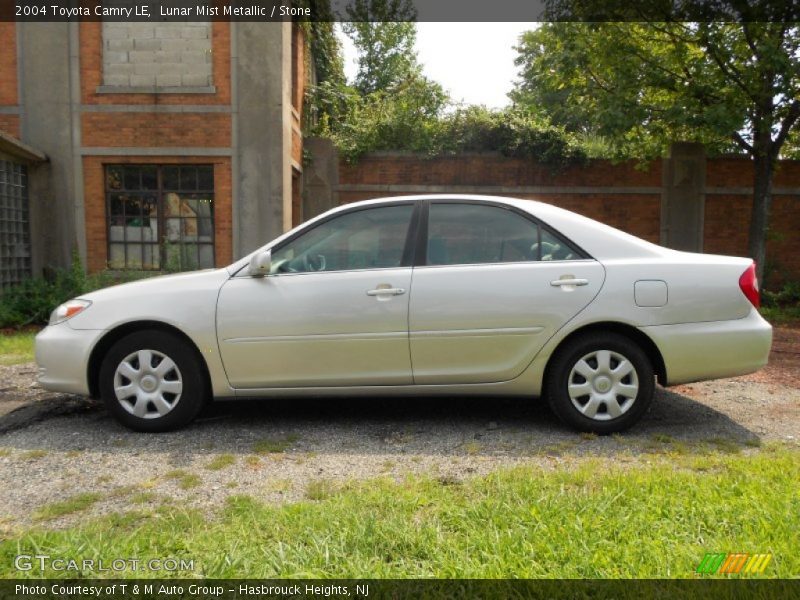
[{"x": 432, "y": 295}]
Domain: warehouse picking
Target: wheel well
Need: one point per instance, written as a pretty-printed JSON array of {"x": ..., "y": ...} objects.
[
  {"x": 632, "y": 333},
  {"x": 114, "y": 335}
]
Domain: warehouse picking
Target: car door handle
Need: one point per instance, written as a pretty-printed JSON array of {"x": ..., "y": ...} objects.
[
  {"x": 560, "y": 282},
  {"x": 387, "y": 291}
]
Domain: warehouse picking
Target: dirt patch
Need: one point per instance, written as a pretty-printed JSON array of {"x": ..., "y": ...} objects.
[
  {"x": 18, "y": 388},
  {"x": 784, "y": 359}
]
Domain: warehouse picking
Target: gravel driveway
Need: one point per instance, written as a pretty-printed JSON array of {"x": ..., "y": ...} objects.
[{"x": 54, "y": 446}]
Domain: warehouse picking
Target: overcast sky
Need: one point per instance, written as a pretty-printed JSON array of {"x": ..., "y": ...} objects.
[{"x": 473, "y": 61}]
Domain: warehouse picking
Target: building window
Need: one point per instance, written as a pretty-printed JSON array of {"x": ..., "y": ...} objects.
[
  {"x": 15, "y": 237},
  {"x": 157, "y": 55},
  {"x": 160, "y": 217}
]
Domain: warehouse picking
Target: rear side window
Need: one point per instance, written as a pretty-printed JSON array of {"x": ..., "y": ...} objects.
[{"x": 460, "y": 234}]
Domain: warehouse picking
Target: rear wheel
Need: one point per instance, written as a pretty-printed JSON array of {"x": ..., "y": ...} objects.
[
  {"x": 152, "y": 381},
  {"x": 600, "y": 383}
]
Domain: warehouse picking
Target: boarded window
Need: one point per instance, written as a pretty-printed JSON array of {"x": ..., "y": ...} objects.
[{"x": 162, "y": 54}]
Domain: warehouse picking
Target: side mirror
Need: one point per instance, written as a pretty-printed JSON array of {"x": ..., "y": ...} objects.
[{"x": 260, "y": 264}]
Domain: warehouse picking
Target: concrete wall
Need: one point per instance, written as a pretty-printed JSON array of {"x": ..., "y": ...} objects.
[
  {"x": 48, "y": 95},
  {"x": 263, "y": 133}
]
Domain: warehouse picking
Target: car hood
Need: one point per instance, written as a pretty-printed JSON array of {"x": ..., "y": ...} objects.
[{"x": 168, "y": 298}]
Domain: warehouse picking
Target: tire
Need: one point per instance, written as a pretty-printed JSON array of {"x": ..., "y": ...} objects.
[
  {"x": 161, "y": 397},
  {"x": 619, "y": 382}
]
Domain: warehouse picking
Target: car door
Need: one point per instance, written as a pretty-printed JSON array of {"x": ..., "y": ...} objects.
[
  {"x": 332, "y": 312},
  {"x": 491, "y": 286}
]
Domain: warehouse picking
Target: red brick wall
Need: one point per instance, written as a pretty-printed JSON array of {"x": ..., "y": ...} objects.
[
  {"x": 95, "y": 209},
  {"x": 727, "y": 217},
  {"x": 8, "y": 76},
  {"x": 156, "y": 129},
  {"x": 10, "y": 124},
  {"x": 8, "y": 64},
  {"x": 637, "y": 213},
  {"x": 493, "y": 170},
  {"x": 621, "y": 195}
]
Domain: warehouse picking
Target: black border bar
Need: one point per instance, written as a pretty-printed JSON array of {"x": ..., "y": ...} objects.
[
  {"x": 500, "y": 589},
  {"x": 786, "y": 11}
]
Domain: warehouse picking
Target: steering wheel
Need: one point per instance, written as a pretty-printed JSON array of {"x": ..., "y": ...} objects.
[
  {"x": 313, "y": 263},
  {"x": 548, "y": 250}
]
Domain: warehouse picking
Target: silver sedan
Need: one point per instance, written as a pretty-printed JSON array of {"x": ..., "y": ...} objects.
[{"x": 418, "y": 295}]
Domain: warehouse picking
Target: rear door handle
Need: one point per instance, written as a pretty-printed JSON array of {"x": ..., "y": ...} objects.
[
  {"x": 386, "y": 292},
  {"x": 560, "y": 282}
]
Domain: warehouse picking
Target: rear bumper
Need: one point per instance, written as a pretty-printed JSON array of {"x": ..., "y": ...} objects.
[
  {"x": 62, "y": 355},
  {"x": 712, "y": 350}
]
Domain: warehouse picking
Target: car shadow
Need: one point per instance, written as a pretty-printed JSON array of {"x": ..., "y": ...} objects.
[{"x": 439, "y": 426}]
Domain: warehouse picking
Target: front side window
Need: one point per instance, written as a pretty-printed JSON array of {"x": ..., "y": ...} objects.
[
  {"x": 160, "y": 217},
  {"x": 468, "y": 234},
  {"x": 373, "y": 238}
]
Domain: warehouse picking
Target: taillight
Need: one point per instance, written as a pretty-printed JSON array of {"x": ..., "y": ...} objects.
[{"x": 748, "y": 282}]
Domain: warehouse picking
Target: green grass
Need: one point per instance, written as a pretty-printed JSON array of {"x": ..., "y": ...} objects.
[
  {"x": 220, "y": 462},
  {"x": 71, "y": 505},
  {"x": 274, "y": 445},
  {"x": 184, "y": 479},
  {"x": 653, "y": 519},
  {"x": 33, "y": 454},
  {"x": 16, "y": 348}
]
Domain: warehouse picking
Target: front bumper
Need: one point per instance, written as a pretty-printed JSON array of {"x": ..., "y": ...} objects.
[
  {"x": 713, "y": 350},
  {"x": 62, "y": 354}
]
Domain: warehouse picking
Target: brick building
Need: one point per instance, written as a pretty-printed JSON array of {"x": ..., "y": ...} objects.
[{"x": 146, "y": 145}]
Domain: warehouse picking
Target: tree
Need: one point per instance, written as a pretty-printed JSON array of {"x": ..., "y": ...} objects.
[
  {"x": 384, "y": 34},
  {"x": 729, "y": 85}
]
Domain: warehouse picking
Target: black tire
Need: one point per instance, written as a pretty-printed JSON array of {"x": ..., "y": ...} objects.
[
  {"x": 188, "y": 371},
  {"x": 561, "y": 368}
]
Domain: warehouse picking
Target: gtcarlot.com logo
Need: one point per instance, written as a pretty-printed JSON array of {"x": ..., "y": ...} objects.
[
  {"x": 43, "y": 562},
  {"x": 737, "y": 563}
]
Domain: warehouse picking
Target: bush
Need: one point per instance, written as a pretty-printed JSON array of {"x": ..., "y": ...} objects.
[
  {"x": 32, "y": 301},
  {"x": 788, "y": 296},
  {"x": 418, "y": 116}
]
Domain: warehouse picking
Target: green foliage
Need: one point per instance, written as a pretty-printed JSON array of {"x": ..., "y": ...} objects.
[
  {"x": 384, "y": 34},
  {"x": 783, "y": 305},
  {"x": 638, "y": 86},
  {"x": 415, "y": 119},
  {"x": 327, "y": 94},
  {"x": 787, "y": 296},
  {"x": 32, "y": 301}
]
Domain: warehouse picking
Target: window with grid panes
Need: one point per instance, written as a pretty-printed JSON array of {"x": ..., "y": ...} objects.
[
  {"x": 160, "y": 217},
  {"x": 15, "y": 237}
]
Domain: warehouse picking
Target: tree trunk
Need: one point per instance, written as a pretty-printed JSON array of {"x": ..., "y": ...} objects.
[{"x": 763, "y": 166}]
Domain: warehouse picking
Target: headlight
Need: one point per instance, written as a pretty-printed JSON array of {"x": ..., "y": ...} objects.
[{"x": 68, "y": 310}]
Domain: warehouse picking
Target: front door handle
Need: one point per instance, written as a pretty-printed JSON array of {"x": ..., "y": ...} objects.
[
  {"x": 560, "y": 282},
  {"x": 386, "y": 291}
]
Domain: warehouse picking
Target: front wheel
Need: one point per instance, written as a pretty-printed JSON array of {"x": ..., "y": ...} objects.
[
  {"x": 152, "y": 381},
  {"x": 600, "y": 383}
]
